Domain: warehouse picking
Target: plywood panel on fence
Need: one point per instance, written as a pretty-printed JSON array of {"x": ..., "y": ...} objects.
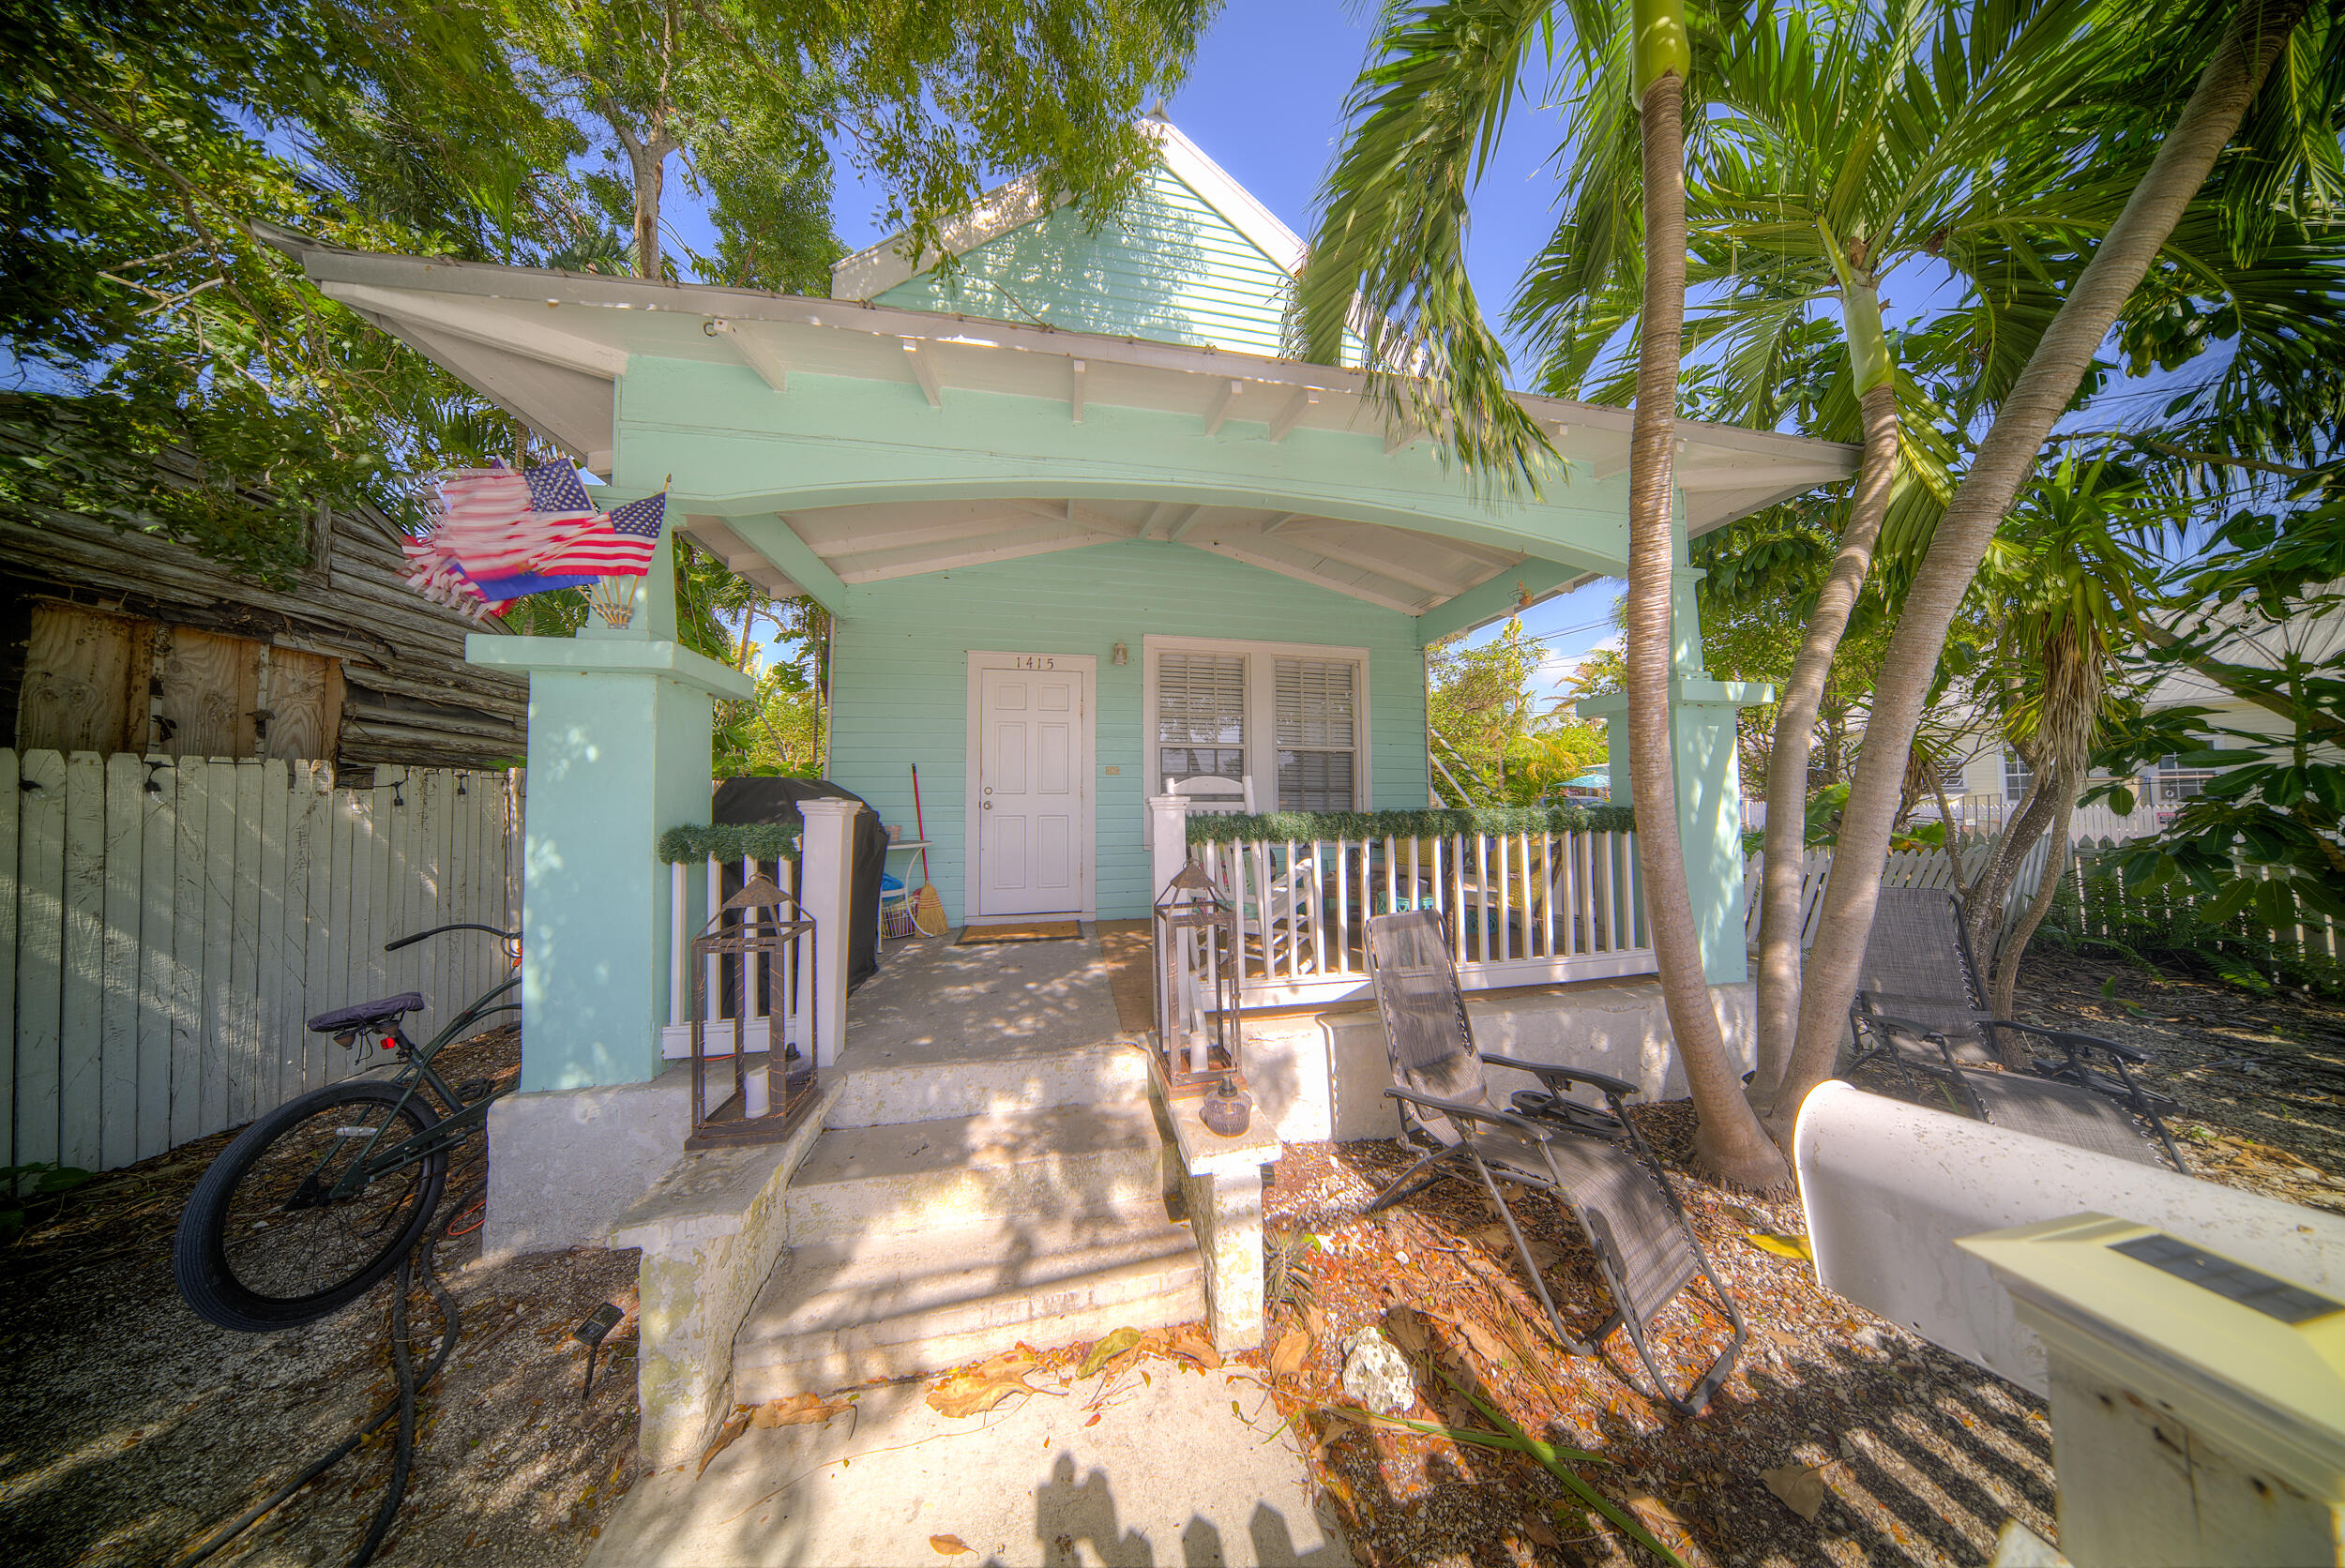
[
  {"x": 305, "y": 702},
  {"x": 84, "y": 681},
  {"x": 210, "y": 691}
]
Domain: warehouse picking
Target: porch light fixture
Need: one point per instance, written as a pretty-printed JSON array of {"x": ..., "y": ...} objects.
[
  {"x": 1123, "y": 654},
  {"x": 1200, "y": 1032},
  {"x": 765, "y": 1106}
]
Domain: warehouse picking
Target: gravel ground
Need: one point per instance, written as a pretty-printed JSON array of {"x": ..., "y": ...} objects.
[{"x": 130, "y": 1429}]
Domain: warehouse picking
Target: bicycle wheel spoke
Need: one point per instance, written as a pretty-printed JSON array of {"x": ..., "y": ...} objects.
[{"x": 289, "y": 1234}]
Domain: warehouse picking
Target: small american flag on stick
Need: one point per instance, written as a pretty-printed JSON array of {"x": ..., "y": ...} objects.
[
  {"x": 619, "y": 543},
  {"x": 498, "y": 522}
]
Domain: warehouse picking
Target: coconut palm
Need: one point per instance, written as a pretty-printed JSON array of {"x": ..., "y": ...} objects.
[
  {"x": 2254, "y": 34},
  {"x": 1826, "y": 160}
]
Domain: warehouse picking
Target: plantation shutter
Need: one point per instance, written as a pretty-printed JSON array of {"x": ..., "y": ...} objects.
[
  {"x": 1200, "y": 716},
  {"x": 1318, "y": 735}
]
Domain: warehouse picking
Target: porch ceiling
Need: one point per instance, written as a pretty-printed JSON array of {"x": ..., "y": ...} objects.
[
  {"x": 553, "y": 348},
  {"x": 1395, "y": 567}
]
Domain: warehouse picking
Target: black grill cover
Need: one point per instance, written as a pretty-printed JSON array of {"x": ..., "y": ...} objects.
[{"x": 776, "y": 800}]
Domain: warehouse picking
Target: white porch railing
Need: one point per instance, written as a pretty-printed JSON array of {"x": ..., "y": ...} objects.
[
  {"x": 1522, "y": 909},
  {"x": 742, "y": 1010}
]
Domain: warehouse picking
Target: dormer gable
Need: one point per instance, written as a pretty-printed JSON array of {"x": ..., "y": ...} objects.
[{"x": 1192, "y": 258}]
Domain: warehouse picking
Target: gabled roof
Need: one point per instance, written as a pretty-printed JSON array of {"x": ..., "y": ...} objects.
[{"x": 873, "y": 270}]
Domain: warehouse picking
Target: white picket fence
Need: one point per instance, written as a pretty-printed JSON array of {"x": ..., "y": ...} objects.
[
  {"x": 169, "y": 925},
  {"x": 1522, "y": 909},
  {"x": 1903, "y": 868}
]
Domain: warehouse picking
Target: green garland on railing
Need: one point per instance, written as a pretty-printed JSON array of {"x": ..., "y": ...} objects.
[
  {"x": 1300, "y": 826},
  {"x": 694, "y": 843}
]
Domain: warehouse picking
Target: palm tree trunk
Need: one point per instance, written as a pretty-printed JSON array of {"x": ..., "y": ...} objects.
[
  {"x": 2006, "y": 981},
  {"x": 1983, "y": 904},
  {"x": 1729, "y": 1142},
  {"x": 2250, "y": 43},
  {"x": 1783, "y": 867}
]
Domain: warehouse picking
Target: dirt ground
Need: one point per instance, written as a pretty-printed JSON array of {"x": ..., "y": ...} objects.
[{"x": 130, "y": 1430}]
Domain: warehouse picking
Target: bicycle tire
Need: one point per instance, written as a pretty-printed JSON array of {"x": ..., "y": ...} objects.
[{"x": 376, "y": 1226}]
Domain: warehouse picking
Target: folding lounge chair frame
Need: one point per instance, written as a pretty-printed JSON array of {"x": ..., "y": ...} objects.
[
  {"x": 1921, "y": 984},
  {"x": 1645, "y": 1250}
]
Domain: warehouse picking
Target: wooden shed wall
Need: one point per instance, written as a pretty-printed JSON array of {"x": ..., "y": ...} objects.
[{"x": 409, "y": 696}]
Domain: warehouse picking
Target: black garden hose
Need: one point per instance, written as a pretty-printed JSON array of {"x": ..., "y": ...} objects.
[{"x": 411, "y": 1386}]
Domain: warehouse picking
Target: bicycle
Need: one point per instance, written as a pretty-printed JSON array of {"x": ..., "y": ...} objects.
[{"x": 319, "y": 1199}]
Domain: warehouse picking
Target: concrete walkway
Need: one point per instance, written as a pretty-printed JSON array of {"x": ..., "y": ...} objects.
[{"x": 1170, "y": 1477}]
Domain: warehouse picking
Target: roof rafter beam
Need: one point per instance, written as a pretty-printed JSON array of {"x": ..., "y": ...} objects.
[
  {"x": 920, "y": 534},
  {"x": 1185, "y": 520},
  {"x": 1278, "y": 522},
  {"x": 1217, "y": 409},
  {"x": 756, "y": 351},
  {"x": 1382, "y": 565},
  {"x": 1285, "y": 565},
  {"x": 770, "y": 535},
  {"x": 1282, "y": 423},
  {"x": 923, "y": 362}
]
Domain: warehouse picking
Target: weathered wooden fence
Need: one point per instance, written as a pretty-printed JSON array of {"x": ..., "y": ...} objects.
[
  {"x": 167, "y": 926},
  {"x": 1904, "y": 868},
  {"x": 2098, "y": 905}
]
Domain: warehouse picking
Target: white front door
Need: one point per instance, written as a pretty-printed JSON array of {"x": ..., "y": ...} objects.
[{"x": 1032, "y": 719}]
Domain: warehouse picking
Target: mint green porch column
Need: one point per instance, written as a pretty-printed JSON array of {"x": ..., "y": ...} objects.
[
  {"x": 618, "y": 753},
  {"x": 1708, "y": 776}
]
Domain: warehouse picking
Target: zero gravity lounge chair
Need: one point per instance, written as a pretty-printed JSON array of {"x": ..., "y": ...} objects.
[
  {"x": 1610, "y": 1182},
  {"x": 1919, "y": 1007}
]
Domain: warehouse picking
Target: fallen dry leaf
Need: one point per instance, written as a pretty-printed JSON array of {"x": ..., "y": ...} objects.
[
  {"x": 1194, "y": 1344},
  {"x": 798, "y": 1409},
  {"x": 1800, "y": 1486},
  {"x": 951, "y": 1545},
  {"x": 1658, "y": 1516},
  {"x": 1782, "y": 1247},
  {"x": 1286, "y": 1357},
  {"x": 1405, "y": 1327},
  {"x": 1115, "y": 1345},
  {"x": 736, "y": 1424},
  {"x": 978, "y": 1389},
  {"x": 1541, "y": 1532}
]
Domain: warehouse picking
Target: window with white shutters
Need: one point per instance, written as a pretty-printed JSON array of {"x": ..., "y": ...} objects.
[
  {"x": 1318, "y": 735},
  {"x": 1200, "y": 716}
]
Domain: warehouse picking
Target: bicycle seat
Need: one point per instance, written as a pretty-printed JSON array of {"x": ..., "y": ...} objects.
[{"x": 361, "y": 1014}]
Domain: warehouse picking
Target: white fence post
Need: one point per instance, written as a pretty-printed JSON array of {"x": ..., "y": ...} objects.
[{"x": 825, "y": 867}]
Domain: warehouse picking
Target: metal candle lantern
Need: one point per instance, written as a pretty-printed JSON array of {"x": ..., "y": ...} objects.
[
  {"x": 1199, "y": 1027},
  {"x": 767, "y": 1106}
]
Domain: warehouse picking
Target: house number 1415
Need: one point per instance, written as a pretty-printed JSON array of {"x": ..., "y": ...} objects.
[{"x": 1034, "y": 662}]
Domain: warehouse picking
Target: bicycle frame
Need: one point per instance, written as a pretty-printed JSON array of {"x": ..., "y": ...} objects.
[{"x": 414, "y": 1068}]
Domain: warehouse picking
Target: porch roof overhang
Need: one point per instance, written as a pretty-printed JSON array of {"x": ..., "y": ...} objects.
[{"x": 820, "y": 445}]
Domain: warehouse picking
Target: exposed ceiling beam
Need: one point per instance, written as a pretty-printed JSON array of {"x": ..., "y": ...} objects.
[
  {"x": 1494, "y": 599},
  {"x": 1049, "y": 511},
  {"x": 486, "y": 323},
  {"x": 1381, "y": 564},
  {"x": 923, "y": 361},
  {"x": 756, "y": 351},
  {"x": 917, "y": 533},
  {"x": 1184, "y": 520},
  {"x": 771, "y": 535},
  {"x": 1040, "y": 540},
  {"x": 1264, "y": 556},
  {"x": 1278, "y": 522},
  {"x": 1075, "y": 396},
  {"x": 1283, "y": 422},
  {"x": 1217, "y": 409}
]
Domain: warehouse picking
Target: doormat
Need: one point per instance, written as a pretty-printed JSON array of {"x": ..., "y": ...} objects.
[{"x": 1028, "y": 930}]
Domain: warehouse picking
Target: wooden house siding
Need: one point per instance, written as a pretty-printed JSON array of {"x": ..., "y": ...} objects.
[
  {"x": 360, "y": 671},
  {"x": 1168, "y": 268},
  {"x": 900, "y": 682}
]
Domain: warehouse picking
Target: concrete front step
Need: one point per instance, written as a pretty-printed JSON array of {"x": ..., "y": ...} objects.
[
  {"x": 840, "y": 1313},
  {"x": 975, "y": 1173},
  {"x": 888, "y": 1086}
]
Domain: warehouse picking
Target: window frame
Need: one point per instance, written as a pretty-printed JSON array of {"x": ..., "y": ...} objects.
[{"x": 1260, "y": 739}]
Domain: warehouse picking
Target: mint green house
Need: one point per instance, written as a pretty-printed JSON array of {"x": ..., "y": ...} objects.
[{"x": 1087, "y": 540}]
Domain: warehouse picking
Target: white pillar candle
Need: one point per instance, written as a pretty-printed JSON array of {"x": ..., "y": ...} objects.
[{"x": 756, "y": 1093}]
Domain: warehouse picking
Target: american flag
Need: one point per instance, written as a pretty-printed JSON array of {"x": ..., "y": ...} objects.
[
  {"x": 619, "y": 543},
  {"x": 521, "y": 583},
  {"x": 489, "y": 519}
]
